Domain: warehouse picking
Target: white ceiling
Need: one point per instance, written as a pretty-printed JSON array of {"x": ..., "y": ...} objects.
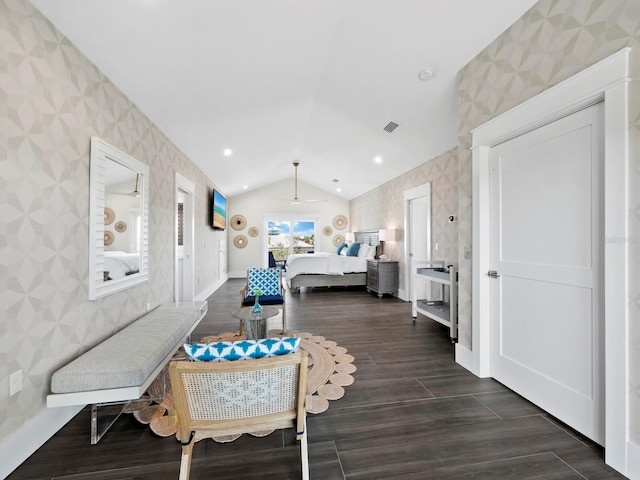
[{"x": 278, "y": 80}]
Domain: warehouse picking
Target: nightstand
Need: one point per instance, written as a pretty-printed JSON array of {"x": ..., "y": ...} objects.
[{"x": 382, "y": 277}]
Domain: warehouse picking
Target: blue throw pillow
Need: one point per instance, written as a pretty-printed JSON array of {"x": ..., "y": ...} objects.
[
  {"x": 241, "y": 349},
  {"x": 340, "y": 248},
  {"x": 353, "y": 250}
]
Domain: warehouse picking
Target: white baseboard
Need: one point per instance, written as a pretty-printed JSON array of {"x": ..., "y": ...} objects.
[
  {"x": 633, "y": 460},
  {"x": 206, "y": 293},
  {"x": 464, "y": 358},
  {"x": 240, "y": 274},
  {"x": 21, "y": 444}
]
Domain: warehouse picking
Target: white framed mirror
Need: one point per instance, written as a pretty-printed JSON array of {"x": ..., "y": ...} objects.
[{"x": 118, "y": 220}]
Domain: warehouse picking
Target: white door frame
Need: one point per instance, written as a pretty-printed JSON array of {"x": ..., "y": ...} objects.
[
  {"x": 411, "y": 194},
  {"x": 607, "y": 80},
  {"x": 188, "y": 189}
]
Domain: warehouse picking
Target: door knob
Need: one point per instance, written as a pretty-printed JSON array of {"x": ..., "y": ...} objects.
[{"x": 493, "y": 274}]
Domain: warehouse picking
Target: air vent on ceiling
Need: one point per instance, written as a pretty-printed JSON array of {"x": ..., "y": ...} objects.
[
  {"x": 335, "y": 180},
  {"x": 391, "y": 126}
]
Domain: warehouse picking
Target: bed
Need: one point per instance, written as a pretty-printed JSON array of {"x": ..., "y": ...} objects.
[
  {"x": 121, "y": 264},
  {"x": 323, "y": 269}
]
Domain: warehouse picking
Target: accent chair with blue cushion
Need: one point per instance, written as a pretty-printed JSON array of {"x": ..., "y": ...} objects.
[
  {"x": 228, "y": 398},
  {"x": 269, "y": 280}
]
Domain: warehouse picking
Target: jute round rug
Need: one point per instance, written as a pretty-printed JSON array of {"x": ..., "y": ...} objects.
[{"x": 330, "y": 369}]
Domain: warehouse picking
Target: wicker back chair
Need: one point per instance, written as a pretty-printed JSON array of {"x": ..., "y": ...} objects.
[
  {"x": 230, "y": 398},
  {"x": 269, "y": 280}
]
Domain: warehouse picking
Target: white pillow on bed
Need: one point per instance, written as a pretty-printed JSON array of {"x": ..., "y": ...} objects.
[
  {"x": 364, "y": 250},
  {"x": 372, "y": 251},
  {"x": 343, "y": 252}
]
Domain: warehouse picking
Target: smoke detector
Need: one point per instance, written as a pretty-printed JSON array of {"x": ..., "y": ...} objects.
[{"x": 425, "y": 74}]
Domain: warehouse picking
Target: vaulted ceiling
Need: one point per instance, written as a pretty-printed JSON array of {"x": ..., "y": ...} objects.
[{"x": 281, "y": 80}]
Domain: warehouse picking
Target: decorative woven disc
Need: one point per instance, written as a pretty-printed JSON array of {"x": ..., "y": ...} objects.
[
  {"x": 327, "y": 231},
  {"x": 108, "y": 237},
  {"x": 226, "y": 438},
  {"x": 331, "y": 392},
  {"x": 341, "y": 379},
  {"x": 121, "y": 226},
  {"x": 316, "y": 404},
  {"x": 337, "y": 350},
  {"x": 253, "y": 231},
  {"x": 345, "y": 368},
  {"x": 147, "y": 414},
  {"x": 339, "y": 222},
  {"x": 164, "y": 426},
  {"x": 240, "y": 241},
  {"x": 344, "y": 358},
  {"x": 328, "y": 344},
  {"x": 317, "y": 339},
  {"x": 338, "y": 240},
  {"x": 238, "y": 222},
  {"x": 109, "y": 216}
]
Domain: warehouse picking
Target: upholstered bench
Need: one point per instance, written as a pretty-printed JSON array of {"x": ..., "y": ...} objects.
[{"x": 122, "y": 367}]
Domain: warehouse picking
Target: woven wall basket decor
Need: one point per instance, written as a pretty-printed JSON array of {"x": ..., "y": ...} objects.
[
  {"x": 338, "y": 240},
  {"x": 238, "y": 222},
  {"x": 240, "y": 241},
  {"x": 339, "y": 222},
  {"x": 108, "y": 237},
  {"x": 253, "y": 231},
  {"x": 327, "y": 231},
  {"x": 109, "y": 216}
]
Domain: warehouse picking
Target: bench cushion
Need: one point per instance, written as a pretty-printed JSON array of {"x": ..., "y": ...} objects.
[{"x": 127, "y": 358}]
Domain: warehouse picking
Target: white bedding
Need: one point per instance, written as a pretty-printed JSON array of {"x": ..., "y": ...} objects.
[
  {"x": 324, "y": 263},
  {"x": 118, "y": 264}
]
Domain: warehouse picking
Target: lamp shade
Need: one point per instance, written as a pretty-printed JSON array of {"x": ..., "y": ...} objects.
[
  {"x": 350, "y": 237},
  {"x": 387, "y": 235}
]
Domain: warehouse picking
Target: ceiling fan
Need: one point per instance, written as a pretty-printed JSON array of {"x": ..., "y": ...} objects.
[
  {"x": 296, "y": 200},
  {"x": 135, "y": 192}
]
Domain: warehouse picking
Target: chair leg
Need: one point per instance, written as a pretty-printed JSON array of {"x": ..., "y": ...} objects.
[
  {"x": 304, "y": 453},
  {"x": 185, "y": 461}
]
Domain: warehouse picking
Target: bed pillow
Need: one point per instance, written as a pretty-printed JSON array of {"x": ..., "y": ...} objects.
[
  {"x": 353, "y": 250},
  {"x": 241, "y": 349},
  {"x": 372, "y": 251},
  {"x": 341, "y": 247},
  {"x": 364, "y": 250},
  {"x": 344, "y": 251}
]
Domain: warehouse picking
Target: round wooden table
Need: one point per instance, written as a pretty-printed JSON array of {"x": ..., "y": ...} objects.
[{"x": 255, "y": 324}]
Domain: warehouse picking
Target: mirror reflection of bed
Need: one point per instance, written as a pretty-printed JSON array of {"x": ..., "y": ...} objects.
[{"x": 122, "y": 221}]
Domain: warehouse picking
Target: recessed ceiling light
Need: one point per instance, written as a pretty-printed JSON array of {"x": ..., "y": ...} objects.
[
  {"x": 338, "y": 189},
  {"x": 378, "y": 159},
  {"x": 227, "y": 152},
  {"x": 245, "y": 187}
]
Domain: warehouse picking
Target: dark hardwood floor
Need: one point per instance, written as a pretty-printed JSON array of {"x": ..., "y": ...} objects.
[{"x": 412, "y": 413}]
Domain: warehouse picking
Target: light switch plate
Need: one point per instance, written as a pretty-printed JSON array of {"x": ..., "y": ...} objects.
[{"x": 15, "y": 382}]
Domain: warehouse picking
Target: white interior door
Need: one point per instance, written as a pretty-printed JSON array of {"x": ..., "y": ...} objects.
[
  {"x": 545, "y": 237},
  {"x": 184, "y": 240},
  {"x": 418, "y": 233}
]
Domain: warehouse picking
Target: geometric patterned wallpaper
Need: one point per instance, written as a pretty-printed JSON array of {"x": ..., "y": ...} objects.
[
  {"x": 383, "y": 207},
  {"x": 52, "y": 100},
  {"x": 554, "y": 40}
]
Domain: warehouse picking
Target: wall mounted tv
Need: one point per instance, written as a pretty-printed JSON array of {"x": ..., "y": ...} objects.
[{"x": 219, "y": 211}]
